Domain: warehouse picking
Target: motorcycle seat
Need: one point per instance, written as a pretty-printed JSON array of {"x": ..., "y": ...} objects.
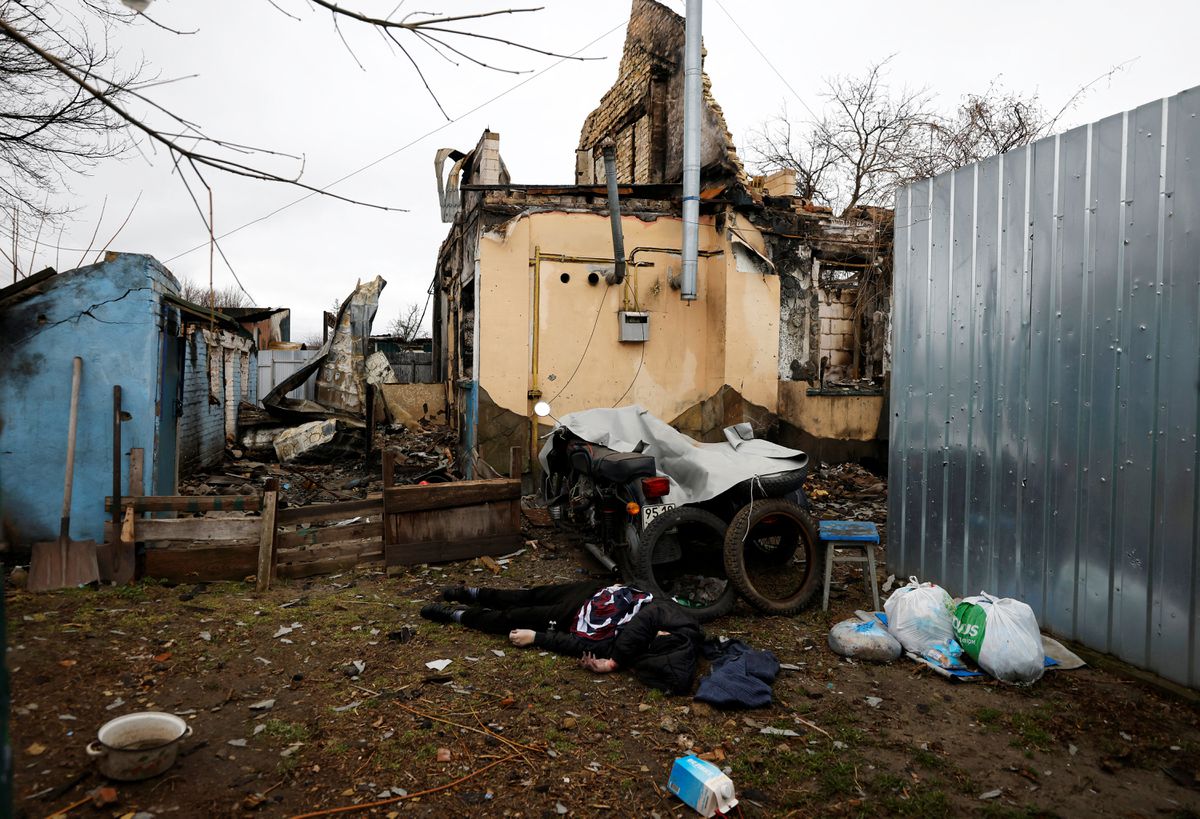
[{"x": 610, "y": 465}]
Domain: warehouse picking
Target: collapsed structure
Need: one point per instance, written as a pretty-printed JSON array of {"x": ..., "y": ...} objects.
[{"x": 792, "y": 301}]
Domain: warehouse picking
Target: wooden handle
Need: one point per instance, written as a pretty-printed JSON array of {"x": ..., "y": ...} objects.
[{"x": 76, "y": 377}]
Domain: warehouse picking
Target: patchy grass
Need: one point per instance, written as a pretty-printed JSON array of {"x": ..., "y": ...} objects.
[
  {"x": 987, "y": 715},
  {"x": 287, "y": 732},
  {"x": 1030, "y": 728}
]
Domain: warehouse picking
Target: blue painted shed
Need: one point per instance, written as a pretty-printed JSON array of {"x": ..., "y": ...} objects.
[{"x": 182, "y": 371}]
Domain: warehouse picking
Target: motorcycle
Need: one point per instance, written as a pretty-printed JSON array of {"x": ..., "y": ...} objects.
[
  {"x": 697, "y": 524},
  {"x": 613, "y": 494}
]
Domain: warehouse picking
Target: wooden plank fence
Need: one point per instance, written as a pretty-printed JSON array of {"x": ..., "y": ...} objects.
[
  {"x": 403, "y": 526},
  {"x": 450, "y": 521}
]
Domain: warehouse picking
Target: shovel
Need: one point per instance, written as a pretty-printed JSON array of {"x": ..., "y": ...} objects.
[{"x": 65, "y": 563}]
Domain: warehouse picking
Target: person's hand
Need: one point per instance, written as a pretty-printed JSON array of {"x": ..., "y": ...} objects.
[
  {"x": 592, "y": 663},
  {"x": 521, "y": 637}
]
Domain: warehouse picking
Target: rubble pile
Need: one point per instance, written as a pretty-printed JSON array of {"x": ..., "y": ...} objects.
[
  {"x": 424, "y": 453},
  {"x": 847, "y": 492}
]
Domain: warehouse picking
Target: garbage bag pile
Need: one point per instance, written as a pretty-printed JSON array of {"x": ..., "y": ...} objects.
[{"x": 1001, "y": 635}]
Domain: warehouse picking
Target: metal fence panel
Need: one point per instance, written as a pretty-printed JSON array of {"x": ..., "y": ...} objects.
[
  {"x": 1045, "y": 415},
  {"x": 276, "y": 365}
]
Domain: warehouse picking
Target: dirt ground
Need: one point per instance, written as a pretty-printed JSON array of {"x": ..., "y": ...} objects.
[{"x": 531, "y": 734}]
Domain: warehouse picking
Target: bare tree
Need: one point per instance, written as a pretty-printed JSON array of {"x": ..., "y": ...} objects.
[
  {"x": 872, "y": 138},
  {"x": 51, "y": 129},
  {"x": 218, "y": 298},
  {"x": 780, "y": 144},
  {"x": 407, "y": 325},
  {"x": 984, "y": 124},
  {"x": 863, "y": 146},
  {"x": 874, "y": 133}
]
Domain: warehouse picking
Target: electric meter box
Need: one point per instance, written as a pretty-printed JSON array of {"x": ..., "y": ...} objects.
[{"x": 634, "y": 327}]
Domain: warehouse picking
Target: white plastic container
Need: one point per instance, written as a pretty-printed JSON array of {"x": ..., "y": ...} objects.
[{"x": 701, "y": 785}]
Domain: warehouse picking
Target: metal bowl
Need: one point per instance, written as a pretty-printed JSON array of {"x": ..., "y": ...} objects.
[{"x": 139, "y": 745}]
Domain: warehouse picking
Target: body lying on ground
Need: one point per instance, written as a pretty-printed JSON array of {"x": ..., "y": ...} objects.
[{"x": 608, "y": 627}]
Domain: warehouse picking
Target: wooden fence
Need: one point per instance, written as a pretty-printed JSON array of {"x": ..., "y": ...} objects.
[{"x": 402, "y": 526}]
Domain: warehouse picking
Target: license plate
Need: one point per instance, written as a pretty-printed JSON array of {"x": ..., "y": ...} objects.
[{"x": 649, "y": 513}]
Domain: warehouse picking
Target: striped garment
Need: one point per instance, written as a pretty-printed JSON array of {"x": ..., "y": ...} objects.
[{"x": 608, "y": 610}]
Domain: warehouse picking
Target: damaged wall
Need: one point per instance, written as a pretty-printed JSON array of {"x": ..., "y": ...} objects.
[
  {"x": 693, "y": 350},
  {"x": 111, "y": 314},
  {"x": 642, "y": 111},
  {"x": 219, "y": 372}
]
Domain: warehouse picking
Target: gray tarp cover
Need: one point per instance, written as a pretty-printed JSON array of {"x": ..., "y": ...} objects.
[{"x": 697, "y": 471}]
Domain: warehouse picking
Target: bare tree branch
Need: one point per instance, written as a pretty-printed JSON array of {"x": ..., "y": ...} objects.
[
  {"x": 67, "y": 102},
  {"x": 219, "y": 163}
]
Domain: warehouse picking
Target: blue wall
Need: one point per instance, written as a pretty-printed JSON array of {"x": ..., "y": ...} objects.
[{"x": 108, "y": 314}]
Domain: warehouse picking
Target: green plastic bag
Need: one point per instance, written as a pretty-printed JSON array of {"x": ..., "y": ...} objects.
[{"x": 970, "y": 624}]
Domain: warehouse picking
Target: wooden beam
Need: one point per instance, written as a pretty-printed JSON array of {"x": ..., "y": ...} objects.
[
  {"x": 448, "y": 495},
  {"x": 516, "y": 463},
  {"x": 330, "y": 565},
  {"x": 307, "y": 554},
  {"x": 389, "y": 468},
  {"x": 189, "y": 503},
  {"x": 332, "y": 534},
  {"x": 198, "y": 530},
  {"x": 208, "y": 563},
  {"x": 266, "y": 542},
  {"x": 443, "y": 551},
  {"x": 322, "y": 512}
]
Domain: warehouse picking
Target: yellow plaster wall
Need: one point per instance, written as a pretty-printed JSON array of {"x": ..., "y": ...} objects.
[
  {"x": 502, "y": 317},
  {"x": 752, "y": 321},
  {"x": 729, "y": 335},
  {"x": 836, "y": 417}
]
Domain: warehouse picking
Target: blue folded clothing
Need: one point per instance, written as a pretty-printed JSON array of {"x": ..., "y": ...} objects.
[{"x": 741, "y": 676}]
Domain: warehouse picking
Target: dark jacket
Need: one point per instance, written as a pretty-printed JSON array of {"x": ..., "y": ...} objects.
[{"x": 664, "y": 662}]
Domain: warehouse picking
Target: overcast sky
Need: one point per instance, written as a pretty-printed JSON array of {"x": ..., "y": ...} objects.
[{"x": 288, "y": 85}]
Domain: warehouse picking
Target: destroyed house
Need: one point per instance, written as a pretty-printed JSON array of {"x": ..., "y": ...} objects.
[
  {"x": 532, "y": 304},
  {"x": 182, "y": 369}
]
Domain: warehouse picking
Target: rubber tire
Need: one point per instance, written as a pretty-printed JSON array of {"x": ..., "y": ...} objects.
[
  {"x": 774, "y": 485},
  {"x": 643, "y": 564},
  {"x": 735, "y": 568}
]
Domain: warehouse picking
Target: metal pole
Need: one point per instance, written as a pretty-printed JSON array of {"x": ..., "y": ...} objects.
[
  {"x": 614, "y": 211},
  {"x": 691, "y": 147}
]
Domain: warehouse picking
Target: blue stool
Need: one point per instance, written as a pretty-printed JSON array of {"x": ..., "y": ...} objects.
[{"x": 850, "y": 534}]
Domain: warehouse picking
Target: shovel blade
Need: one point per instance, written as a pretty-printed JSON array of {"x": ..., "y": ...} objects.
[{"x": 48, "y": 571}]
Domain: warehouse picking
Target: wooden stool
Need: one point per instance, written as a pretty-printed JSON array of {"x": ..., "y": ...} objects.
[{"x": 850, "y": 534}]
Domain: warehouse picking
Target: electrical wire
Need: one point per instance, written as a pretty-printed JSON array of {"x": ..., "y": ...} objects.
[
  {"x": 583, "y": 355},
  {"x": 641, "y": 361},
  {"x": 407, "y": 145},
  {"x": 770, "y": 65}
]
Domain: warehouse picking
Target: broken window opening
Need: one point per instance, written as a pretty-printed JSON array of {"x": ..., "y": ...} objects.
[
  {"x": 840, "y": 277},
  {"x": 466, "y": 331}
]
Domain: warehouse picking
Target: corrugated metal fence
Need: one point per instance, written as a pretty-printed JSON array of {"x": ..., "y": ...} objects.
[
  {"x": 1047, "y": 371},
  {"x": 276, "y": 365}
]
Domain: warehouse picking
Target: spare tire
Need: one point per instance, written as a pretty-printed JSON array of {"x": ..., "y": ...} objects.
[
  {"x": 680, "y": 559},
  {"x": 773, "y": 556},
  {"x": 773, "y": 485}
]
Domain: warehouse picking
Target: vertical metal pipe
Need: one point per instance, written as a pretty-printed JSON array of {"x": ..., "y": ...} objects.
[
  {"x": 614, "y": 211},
  {"x": 691, "y": 147}
]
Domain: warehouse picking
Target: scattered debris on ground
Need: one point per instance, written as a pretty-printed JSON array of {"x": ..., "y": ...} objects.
[
  {"x": 847, "y": 492},
  {"x": 364, "y": 711}
]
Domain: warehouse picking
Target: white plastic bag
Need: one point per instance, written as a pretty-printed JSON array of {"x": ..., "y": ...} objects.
[
  {"x": 863, "y": 640},
  {"x": 921, "y": 616},
  {"x": 1002, "y": 635}
]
